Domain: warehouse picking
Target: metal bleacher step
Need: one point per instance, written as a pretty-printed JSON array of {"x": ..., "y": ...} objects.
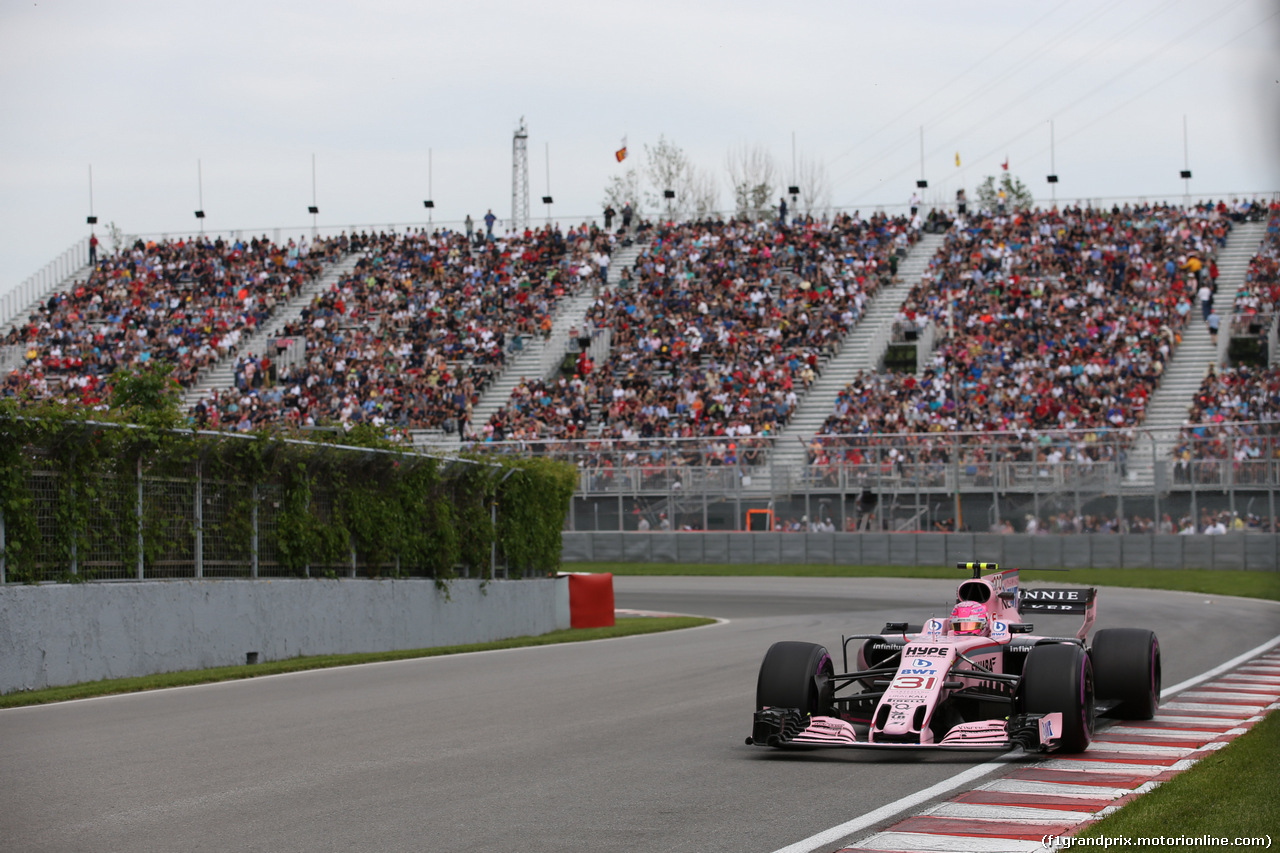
[
  {"x": 222, "y": 374},
  {"x": 861, "y": 350}
]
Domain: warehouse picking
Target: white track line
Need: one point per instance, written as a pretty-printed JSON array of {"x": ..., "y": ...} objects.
[
  {"x": 891, "y": 810},
  {"x": 835, "y": 833},
  {"x": 1153, "y": 750},
  {"x": 1014, "y": 814},
  {"x": 1121, "y": 732},
  {"x": 1055, "y": 789},
  {"x": 948, "y": 843}
]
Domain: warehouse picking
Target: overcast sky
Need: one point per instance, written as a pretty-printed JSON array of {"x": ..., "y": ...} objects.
[{"x": 165, "y": 100}]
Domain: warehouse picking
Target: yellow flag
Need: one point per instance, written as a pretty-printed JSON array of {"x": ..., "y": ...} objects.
[{"x": 957, "y": 158}]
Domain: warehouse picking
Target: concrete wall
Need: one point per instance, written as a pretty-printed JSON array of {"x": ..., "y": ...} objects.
[
  {"x": 68, "y": 633},
  {"x": 1255, "y": 551}
]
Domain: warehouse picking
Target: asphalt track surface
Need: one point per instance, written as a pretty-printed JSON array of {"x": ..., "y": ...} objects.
[{"x": 634, "y": 744}]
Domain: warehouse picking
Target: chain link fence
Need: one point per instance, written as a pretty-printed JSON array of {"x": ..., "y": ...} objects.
[
  {"x": 158, "y": 518},
  {"x": 938, "y": 482}
]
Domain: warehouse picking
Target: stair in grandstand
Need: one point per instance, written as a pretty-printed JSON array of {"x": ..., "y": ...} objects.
[
  {"x": 222, "y": 374},
  {"x": 12, "y": 356},
  {"x": 1167, "y": 408},
  {"x": 537, "y": 358},
  {"x": 862, "y": 349}
]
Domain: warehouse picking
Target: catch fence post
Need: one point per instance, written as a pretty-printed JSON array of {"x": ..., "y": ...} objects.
[
  {"x": 199, "y": 519},
  {"x": 141, "y": 568},
  {"x": 1229, "y": 469},
  {"x": 1116, "y": 450},
  {"x": 253, "y": 541},
  {"x": 1155, "y": 486}
]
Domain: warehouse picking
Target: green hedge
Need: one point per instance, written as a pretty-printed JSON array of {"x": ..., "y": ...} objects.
[{"x": 398, "y": 512}]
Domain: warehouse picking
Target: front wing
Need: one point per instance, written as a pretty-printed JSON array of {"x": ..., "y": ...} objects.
[{"x": 788, "y": 727}]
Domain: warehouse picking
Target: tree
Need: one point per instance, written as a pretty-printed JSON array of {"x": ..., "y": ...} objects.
[
  {"x": 622, "y": 189},
  {"x": 667, "y": 168},
  {"x": 148, "y": 394},
  {"x": 704, "y": 193},
  {"x": 815, "y": 187},
  {"x": 1016, "y": 194},
  {"x": 753, "y": 178},
  {"x": 696, "y": 193},
  {"x": 119, "y": 239}
]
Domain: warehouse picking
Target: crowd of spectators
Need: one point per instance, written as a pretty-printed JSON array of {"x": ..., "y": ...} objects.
[
  {"x": 1045, "y": 320},
  {"x": 718, "y": 329},
  {"x": 1234, "y": 421},
  {"x": 185, "y": 303},
  {"x": 1258, "y": 298},
  {"x": 1210, "y": 523},
  {"x": 410, "y": 338}
]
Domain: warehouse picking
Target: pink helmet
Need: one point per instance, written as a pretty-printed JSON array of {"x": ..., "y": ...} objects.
[{"x": 969, "y": 617}]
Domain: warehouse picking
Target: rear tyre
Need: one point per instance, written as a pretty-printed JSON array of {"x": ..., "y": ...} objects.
[
  {"x": 1126, "y": 668},
  {"x": 1058, "y": 677},
  {"x": 796, "y": 675}
]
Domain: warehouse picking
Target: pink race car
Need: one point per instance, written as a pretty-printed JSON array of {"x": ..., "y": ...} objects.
[{"x": 978, "y": 679}]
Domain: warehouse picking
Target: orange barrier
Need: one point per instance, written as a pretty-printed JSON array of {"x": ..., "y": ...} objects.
[{"x": 591, "y": 600}]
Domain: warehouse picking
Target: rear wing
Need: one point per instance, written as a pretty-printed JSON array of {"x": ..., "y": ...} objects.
[{"x": 1081, "y": 600}]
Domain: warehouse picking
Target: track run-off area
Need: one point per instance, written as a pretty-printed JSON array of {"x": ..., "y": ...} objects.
[{"x": 635, "y": 744}]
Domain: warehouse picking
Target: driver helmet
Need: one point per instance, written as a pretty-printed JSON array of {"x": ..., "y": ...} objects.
[{"x": 969, "y": 617}]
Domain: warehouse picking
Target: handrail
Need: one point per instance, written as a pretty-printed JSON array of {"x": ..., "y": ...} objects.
[{"x": 44, "y": 281}]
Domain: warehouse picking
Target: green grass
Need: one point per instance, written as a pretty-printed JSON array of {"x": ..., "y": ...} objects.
[
  {"x": 1230, "y": 794},
  {"x": 625, "y": 627},
  {"x": 1218, "y": 582}
]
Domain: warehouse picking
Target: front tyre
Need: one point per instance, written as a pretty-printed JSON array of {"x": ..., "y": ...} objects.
[
  {"x": 796, "y": 675},
  {"x": 1126, "y": 668},
  {"x": 1058, "y": 677}
]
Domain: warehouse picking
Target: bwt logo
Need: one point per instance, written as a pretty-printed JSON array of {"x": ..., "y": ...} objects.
[{"x": 922, "y": 662}]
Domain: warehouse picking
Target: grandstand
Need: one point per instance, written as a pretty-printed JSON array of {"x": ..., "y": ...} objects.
[{"x": 1006, "y": 367}]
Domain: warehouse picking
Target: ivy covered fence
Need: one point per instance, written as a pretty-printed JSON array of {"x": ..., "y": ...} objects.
[{"x": 84, "y": 499}]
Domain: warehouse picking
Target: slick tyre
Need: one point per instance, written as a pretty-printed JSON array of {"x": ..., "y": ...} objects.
[
  {"x": 1058, "y": 677},
  {"x": 1126, "y": 669},
  {"x": 796, "y": 675}
]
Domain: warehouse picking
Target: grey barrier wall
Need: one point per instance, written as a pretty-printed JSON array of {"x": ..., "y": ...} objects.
[
  {"x": 61, "y": 634},
  {"x": 1253, "y": 551}
]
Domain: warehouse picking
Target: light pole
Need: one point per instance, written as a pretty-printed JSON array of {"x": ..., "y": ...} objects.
[
  {"x": 1186, "y": 166},
  {"x": 313, "y": 209},
  {"x": 200, "y": 191},
  {"x": 429, "y": 203},
  {"x": 1053, "y": 172}
]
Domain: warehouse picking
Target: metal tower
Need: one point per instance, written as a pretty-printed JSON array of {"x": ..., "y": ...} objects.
[{"x": 520, "y": 178}]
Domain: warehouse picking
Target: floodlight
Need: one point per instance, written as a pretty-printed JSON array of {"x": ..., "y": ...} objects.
[
  {"x": 546, "y": 199},
  {"x": 922, "y": 183},
  {"x": 92, "y": 220},
  {"x": 793, "y": 190},
  {"x": 199, "y": 214},
  {"x": 1053, "y": 179},
  {"x": 1186, "y": 173},
  {"x": 428, "y": 203},
  {"x": 668, "y": 193},
  {"x": 313, "y": 209}
]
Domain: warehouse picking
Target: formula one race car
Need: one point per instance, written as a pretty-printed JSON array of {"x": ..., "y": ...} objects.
[{"x": 978, "y": 679}]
